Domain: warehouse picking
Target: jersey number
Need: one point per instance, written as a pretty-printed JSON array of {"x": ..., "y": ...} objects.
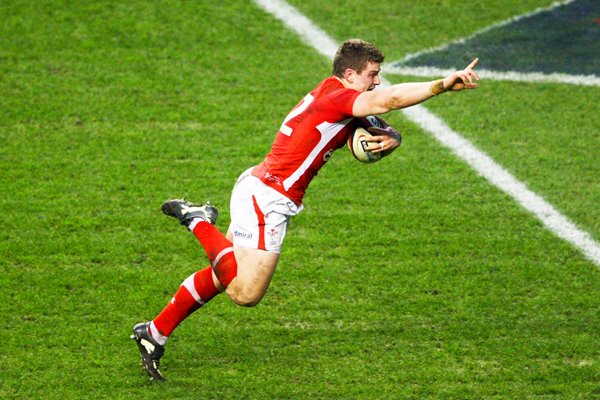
[{"x": 286, "y": 129}]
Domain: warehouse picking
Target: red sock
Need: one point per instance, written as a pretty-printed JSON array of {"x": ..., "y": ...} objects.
[
  {"x": 219, "y": 251},
  {"x": 193, "y": 293}
]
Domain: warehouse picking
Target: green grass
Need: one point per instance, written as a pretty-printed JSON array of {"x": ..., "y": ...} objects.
[
  {"x": 544, "y": 140},
  {"x": 411, "y": 278}
]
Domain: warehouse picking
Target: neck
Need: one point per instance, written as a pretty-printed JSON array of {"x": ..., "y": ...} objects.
[{"x": 342, "y": 81}]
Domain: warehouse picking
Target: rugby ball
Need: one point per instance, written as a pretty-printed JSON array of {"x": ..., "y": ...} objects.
[{"x": 358, "y": 145}]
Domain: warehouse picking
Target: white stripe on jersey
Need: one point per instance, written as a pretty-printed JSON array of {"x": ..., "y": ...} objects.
[{"x": 328, "y": 132}]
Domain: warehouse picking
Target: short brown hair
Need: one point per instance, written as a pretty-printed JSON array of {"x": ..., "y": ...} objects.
[{"x": 355, "y": 54}]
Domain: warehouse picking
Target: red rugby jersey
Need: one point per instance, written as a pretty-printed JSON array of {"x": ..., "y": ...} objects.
[{"x": 310, "y": 133}]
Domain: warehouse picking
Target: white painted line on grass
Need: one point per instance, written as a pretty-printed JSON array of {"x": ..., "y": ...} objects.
[
  {"x": 304, "y": 27},
  {"x": 430, "y": 72},
  {"x": 478, "y": 160},
  {"x": 493, "y": 172}
]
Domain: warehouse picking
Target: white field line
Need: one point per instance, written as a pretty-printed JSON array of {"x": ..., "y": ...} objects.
[
  {"x": 582, "y": 80},
  {"x": 303, "y": 26},
  {"x": 501, "y": 178},
  {"x": 478, "y": 160}
]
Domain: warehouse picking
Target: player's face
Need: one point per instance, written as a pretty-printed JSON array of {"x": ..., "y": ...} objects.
[{"x": 368, "y": 79}]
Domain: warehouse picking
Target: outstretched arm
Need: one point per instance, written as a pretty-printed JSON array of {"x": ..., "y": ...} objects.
[{"x": 405, "y": 95}]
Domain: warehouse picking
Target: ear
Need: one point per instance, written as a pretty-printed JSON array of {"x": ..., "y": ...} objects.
[{"x": 349, "y": 75}]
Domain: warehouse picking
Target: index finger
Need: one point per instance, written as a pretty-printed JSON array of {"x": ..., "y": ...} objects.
[
  {"x": 473, "y": 63},
  {"x": 373, "y": 138}
]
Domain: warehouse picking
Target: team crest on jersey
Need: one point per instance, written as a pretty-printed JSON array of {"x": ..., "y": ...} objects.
[
  {"x": 328, "y": 155},
  {"x": 272, "y": 178}
]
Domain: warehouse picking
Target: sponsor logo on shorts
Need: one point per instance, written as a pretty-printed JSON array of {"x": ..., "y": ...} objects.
[{"x": 243, "y": 235}]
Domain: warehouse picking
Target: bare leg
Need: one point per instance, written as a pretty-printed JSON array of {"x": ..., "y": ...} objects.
[{"x": 255, "y": 269}]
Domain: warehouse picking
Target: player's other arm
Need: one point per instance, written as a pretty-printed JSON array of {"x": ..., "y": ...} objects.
[{"x": 404, "y": 95}]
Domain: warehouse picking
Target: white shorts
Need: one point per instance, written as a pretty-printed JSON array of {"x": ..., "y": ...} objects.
[{"x": 259, "y": 214}]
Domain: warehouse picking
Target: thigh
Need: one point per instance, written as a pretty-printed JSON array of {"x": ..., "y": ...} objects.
[{"x": 255, "y": 268}]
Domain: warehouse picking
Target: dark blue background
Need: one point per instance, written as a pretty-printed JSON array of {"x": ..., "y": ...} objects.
[{"x": 565, "y": 39}]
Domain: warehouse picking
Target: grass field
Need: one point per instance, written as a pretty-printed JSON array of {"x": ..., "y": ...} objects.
[{"x": 412, "y": 278}]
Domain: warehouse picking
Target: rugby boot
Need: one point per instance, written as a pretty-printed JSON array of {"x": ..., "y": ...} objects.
[
  {"x": 150, "y": 350},
  {"x": 185, "y": 211}
]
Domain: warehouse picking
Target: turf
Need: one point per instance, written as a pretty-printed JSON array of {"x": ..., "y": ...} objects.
[{"x": 411, "y": 278}]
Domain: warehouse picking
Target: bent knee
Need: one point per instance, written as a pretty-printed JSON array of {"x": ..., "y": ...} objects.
[
  {"x": 246, "y": 302},
  {"x": 244, "y": 298}
]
